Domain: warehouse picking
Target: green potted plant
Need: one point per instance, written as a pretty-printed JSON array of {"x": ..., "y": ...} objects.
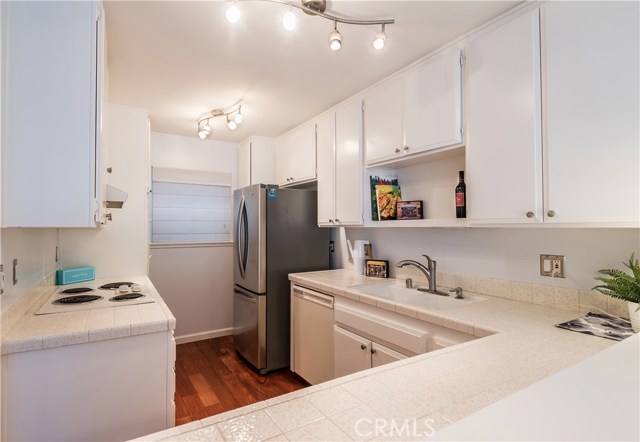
[{"x": 622, "y": 285}]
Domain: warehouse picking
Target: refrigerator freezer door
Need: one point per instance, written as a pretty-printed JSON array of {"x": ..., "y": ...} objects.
[
  {"x": 249, "y": 326},
  {"x": 249, "y": 270}
]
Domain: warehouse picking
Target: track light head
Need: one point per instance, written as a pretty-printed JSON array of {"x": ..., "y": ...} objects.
[
  {"x": 205, "y": 131},
  {"x": 231, "y": 123},
  {"x": 289, "y": 20},
  {"x": 233, "y": 13},
  {"x": 380, "y": 39},
  {"x": 335, "y": 39}
]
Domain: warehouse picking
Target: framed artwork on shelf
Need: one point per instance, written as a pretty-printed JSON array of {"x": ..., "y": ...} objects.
[
  {"x": 377, "y": 268},
  {"x": 409, "y": 210}
]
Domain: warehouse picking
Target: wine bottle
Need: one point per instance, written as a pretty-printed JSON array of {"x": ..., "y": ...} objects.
[{"x": 461, "y": 197}]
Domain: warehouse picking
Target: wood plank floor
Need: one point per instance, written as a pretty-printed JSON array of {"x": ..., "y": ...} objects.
[{"x": 211, "y": 378}]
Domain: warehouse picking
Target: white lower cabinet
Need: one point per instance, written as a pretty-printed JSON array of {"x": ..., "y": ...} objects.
[
  {"x": 353, "y": 353},
  {"x": 365, "y": 336}
]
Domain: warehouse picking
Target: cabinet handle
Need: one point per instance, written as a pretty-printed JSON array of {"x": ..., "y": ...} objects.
[
  {"x": 291, "y": 178},
  {"x": 530, "y": 214},
  {"x": 406, "y": 148},
  {"x": 330, "y": 220},
  {"x": 373, "y": 351},
  {"x": 397, "y": 150},
  {"x": 337, "y": 220},
  {"x": 551, "y": 213},
  {"x": 363, "y": 347}
]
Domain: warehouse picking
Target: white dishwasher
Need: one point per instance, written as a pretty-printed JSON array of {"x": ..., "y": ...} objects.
[{"x": 311, "y": 334}]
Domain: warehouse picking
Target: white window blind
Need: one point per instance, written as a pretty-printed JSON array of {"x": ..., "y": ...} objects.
[{"x": 190, "y": 206}]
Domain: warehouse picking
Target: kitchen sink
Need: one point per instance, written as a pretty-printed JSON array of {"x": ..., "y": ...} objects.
[{"x": 395, "y": 291}]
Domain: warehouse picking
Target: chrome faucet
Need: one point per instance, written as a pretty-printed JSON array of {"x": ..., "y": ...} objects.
[{"x": 429, "y": 272}]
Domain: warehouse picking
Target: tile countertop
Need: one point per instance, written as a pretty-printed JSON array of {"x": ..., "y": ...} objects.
[
  {"x": 22, "y": 330},
  {"x": 433, "y": 389}
]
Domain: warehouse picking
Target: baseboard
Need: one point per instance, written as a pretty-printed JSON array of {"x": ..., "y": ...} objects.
[{"x": 204, "y": 335}]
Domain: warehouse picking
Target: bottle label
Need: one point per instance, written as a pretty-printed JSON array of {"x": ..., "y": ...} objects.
[{"x": 459, "y": 199}]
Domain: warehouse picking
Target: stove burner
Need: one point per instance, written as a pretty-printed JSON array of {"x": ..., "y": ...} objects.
[
  {"x": 114, "y": 285},
  {"x": 79, "y": 299},
  {"x": 75, "y": 290},
  {"x": 126, "y": 297}
]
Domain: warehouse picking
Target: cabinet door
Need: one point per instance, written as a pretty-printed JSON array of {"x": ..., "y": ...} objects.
[
  {"x": 244, "y": 164},
  {"x": 383, "y": 122},
  {"x": 262, "y": 160},
  {"x": 504, "y": 151},
  {"x": 283, "y": 176},
  {"x": 351, "y": 353},
  {"x": 381, "y": 355},
  {"x": 349, "y": 164},
  {"x": 433, "y": 104},
  {"x": 325, "y": 139},
  {"x": 52, "y": 61},
  {"x": 590, "y": 73},
  {"x": 302, "y": 153}
]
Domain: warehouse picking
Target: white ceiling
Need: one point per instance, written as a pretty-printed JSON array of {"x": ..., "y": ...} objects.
[{"x": 180, "y": 59}]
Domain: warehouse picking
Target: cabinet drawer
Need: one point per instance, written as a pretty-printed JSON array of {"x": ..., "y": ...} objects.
[{"x": 397, "y": 330}]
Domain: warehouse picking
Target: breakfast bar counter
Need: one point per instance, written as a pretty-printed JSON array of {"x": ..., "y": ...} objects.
[{"x": 415, "y": 398}]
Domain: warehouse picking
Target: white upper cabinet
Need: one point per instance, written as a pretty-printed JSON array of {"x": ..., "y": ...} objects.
[
  {"x": 504, "y": 150},
  {"x": 326, "y": 140},
  {"x": 416, "y": 112},
  {"x": 433, "y": 104},
  {"x": 348, "y": 164},
  {"x": 339, "y": 137},
  {"x": 256, "y": 161},
  {"x": 296, "y": 156},
  {"x": 383, "y": 122},
  {"x": 553, "y": 117},
  {"x": 590, "y": 82},
  {"x": 52, "y": 89}
]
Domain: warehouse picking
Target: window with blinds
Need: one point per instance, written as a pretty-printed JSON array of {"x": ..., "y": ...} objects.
[{"x": 190, "y": 206}]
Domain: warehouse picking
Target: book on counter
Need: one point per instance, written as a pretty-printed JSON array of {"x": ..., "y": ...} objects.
[
  {"x": 387, "y": 197},
  {"x": 374, "y": 181}
]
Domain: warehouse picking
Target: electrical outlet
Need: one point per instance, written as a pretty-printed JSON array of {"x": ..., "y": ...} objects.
[{"x": 552, "y": 265}]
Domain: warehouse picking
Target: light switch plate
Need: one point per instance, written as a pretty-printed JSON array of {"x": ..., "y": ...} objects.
[{"x": 552, "y": 265}]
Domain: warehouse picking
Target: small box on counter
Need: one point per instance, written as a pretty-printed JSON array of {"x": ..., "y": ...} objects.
[
  {"x": 378, "y": 268},
  {"x": 75, "y": 274}
]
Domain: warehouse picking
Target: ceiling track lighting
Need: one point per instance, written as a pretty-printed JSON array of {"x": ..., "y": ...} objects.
[
  {"x": 233, "y": 116},
  {"x": 318, "y": 8}
]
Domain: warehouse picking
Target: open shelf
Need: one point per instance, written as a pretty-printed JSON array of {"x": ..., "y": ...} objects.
[{"x": 435, "y": 222}]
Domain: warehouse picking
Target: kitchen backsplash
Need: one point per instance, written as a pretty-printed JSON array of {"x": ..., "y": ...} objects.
[{"x": 581, "y": 301}]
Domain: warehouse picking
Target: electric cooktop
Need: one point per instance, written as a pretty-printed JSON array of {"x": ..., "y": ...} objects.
[{"x": 85, "y": 296}]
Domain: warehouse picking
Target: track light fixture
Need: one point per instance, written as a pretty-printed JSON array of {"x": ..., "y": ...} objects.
[
  {"x": 233, "y": 116},
  {"x": 317, "y": 8},
  {"x": 335, "y": 39}
]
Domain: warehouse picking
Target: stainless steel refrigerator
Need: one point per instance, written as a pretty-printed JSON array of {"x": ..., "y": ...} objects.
[{"x": 276, "y": 233}]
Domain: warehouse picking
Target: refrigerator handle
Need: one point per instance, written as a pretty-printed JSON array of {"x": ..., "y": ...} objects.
[{"x": 241, "y": 227}]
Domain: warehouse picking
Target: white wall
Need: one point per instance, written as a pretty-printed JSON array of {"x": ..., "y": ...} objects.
[
  {"x": 193, "y": 153},
  {"x": 120, "y": 248},
  {"x": 197, "y": 285},
  {"x": 504, "y": 253},
  {"x": 195, "y": 280}
]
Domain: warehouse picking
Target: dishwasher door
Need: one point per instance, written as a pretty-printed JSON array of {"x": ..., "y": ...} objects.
[
  {"x": 312, "y": 334},
  {"x": 249, "y": 326}
]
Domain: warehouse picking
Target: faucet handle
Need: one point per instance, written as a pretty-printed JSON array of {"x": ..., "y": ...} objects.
[
  {"x": 429, "y": 260},
  {"x": 459, "y": 294}
]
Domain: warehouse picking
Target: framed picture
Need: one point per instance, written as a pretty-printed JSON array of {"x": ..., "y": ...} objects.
[
  {"x": 377, "y": 268},
  {"x": 409, "y": 209}
]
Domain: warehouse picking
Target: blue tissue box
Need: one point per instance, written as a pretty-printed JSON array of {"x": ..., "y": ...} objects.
[{"x": 76, "y": 274}]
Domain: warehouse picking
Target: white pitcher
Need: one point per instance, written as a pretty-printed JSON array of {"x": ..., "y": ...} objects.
[{"x": 358, "y": 254}]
